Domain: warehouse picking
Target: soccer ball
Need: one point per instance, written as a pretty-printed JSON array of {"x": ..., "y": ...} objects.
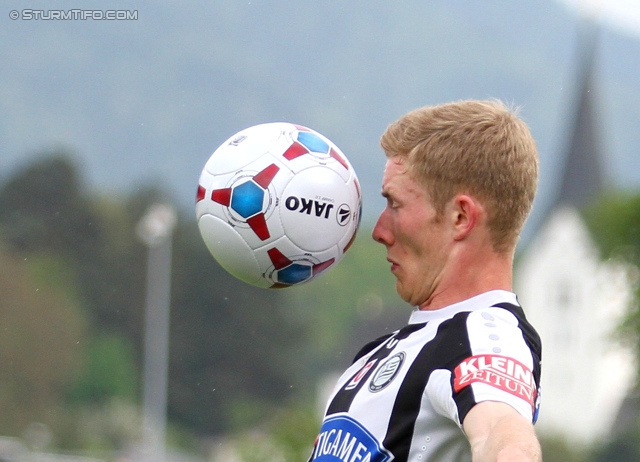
[{"x": 278, "y": 204}]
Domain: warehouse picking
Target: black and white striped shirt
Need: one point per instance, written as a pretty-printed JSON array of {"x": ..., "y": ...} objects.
[{"x": 406, "y": 395}]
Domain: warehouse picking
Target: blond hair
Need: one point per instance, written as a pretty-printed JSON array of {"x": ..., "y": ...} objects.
[{"x": 481, "y": 148}]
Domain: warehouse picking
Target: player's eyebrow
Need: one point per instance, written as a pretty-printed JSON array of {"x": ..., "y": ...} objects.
[{"x": 387, "y": 195}]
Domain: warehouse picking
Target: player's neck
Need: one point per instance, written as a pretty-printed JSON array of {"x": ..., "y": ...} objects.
[{"x": 471, "y": 276}]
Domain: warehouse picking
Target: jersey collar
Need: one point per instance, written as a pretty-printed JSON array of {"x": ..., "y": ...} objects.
[{"x": 478, "y": 302}]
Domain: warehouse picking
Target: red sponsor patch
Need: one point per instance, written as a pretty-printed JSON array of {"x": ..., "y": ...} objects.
[
  {"x": 361, "y": 373},
  {"x": 500, "y": 372}
]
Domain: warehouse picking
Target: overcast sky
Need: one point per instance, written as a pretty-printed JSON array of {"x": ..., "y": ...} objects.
[{"x": 624, "y": 15}]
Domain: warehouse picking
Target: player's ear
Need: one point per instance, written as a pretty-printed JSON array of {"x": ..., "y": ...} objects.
[{"x": 465, "y": 211}]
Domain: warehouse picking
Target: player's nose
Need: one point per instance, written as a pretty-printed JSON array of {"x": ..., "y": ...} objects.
[{"x": 381, "y": 231}]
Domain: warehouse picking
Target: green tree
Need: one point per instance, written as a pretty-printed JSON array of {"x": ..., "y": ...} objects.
[
  {"x": 108, "y": 371},
  {"x": 614, "y": 221},
  {"x": 623, "y": 448},
  {"x": 45, "y": 210},
  {"x": 232, "y": 345},
  {"x": 287, "y": 435},
  {"x": 43, "y": 207},
  {"x": 42, "y": 336}
]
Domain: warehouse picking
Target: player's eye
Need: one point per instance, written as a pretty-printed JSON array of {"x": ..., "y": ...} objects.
[{"x": 392, "y": 204}]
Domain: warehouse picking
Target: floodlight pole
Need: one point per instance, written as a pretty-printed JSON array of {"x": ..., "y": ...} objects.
[{"x": 156, "y": 231}]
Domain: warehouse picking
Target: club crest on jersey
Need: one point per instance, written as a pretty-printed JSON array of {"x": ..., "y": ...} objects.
[
  {"x": 387, "y": 372},
  {"x": 500, "y": 372},
  {"x": 342, "y": 439}
]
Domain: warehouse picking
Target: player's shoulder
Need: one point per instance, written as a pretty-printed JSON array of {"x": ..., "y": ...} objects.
[
  {"x": 503, "y": 327},
  {"x": 485, "y": 323},
  {"x": 499, "y": 315},
  {"x": 506, "y": 314},
  {"x": 509, "y": 314}
]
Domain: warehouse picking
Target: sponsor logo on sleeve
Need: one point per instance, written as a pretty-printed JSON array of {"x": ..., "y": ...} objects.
[
  {"x": 343, "y": 439},
  {"x": 500, "y": 372}
]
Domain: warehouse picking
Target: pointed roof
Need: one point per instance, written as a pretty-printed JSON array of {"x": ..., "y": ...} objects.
[{"x": 583, "y": 178}]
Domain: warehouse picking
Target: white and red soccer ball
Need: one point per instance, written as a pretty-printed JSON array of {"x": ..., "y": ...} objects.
[{"x": 278, "y": 204}]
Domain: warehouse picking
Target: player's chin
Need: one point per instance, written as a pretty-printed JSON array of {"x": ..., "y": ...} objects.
[{"x": 402, "y": 291}]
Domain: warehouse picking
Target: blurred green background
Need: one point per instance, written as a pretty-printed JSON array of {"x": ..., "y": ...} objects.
[{"x": 101, "y": 119}]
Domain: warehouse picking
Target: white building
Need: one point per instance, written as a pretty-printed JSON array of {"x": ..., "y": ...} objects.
[{"x": 576, "y": 302}]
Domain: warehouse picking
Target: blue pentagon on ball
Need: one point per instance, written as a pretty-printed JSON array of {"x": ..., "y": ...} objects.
[
  {"x": 313, "y": 142},
  {"x": 247, "y": 199},
  {"x": 294, "y": 274}
]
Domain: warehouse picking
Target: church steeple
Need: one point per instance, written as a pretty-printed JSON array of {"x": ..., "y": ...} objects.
[{"x": 582, "y": 178}]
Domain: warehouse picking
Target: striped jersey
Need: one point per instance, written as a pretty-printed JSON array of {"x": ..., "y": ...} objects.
[{"x": 405, "y": 396}]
